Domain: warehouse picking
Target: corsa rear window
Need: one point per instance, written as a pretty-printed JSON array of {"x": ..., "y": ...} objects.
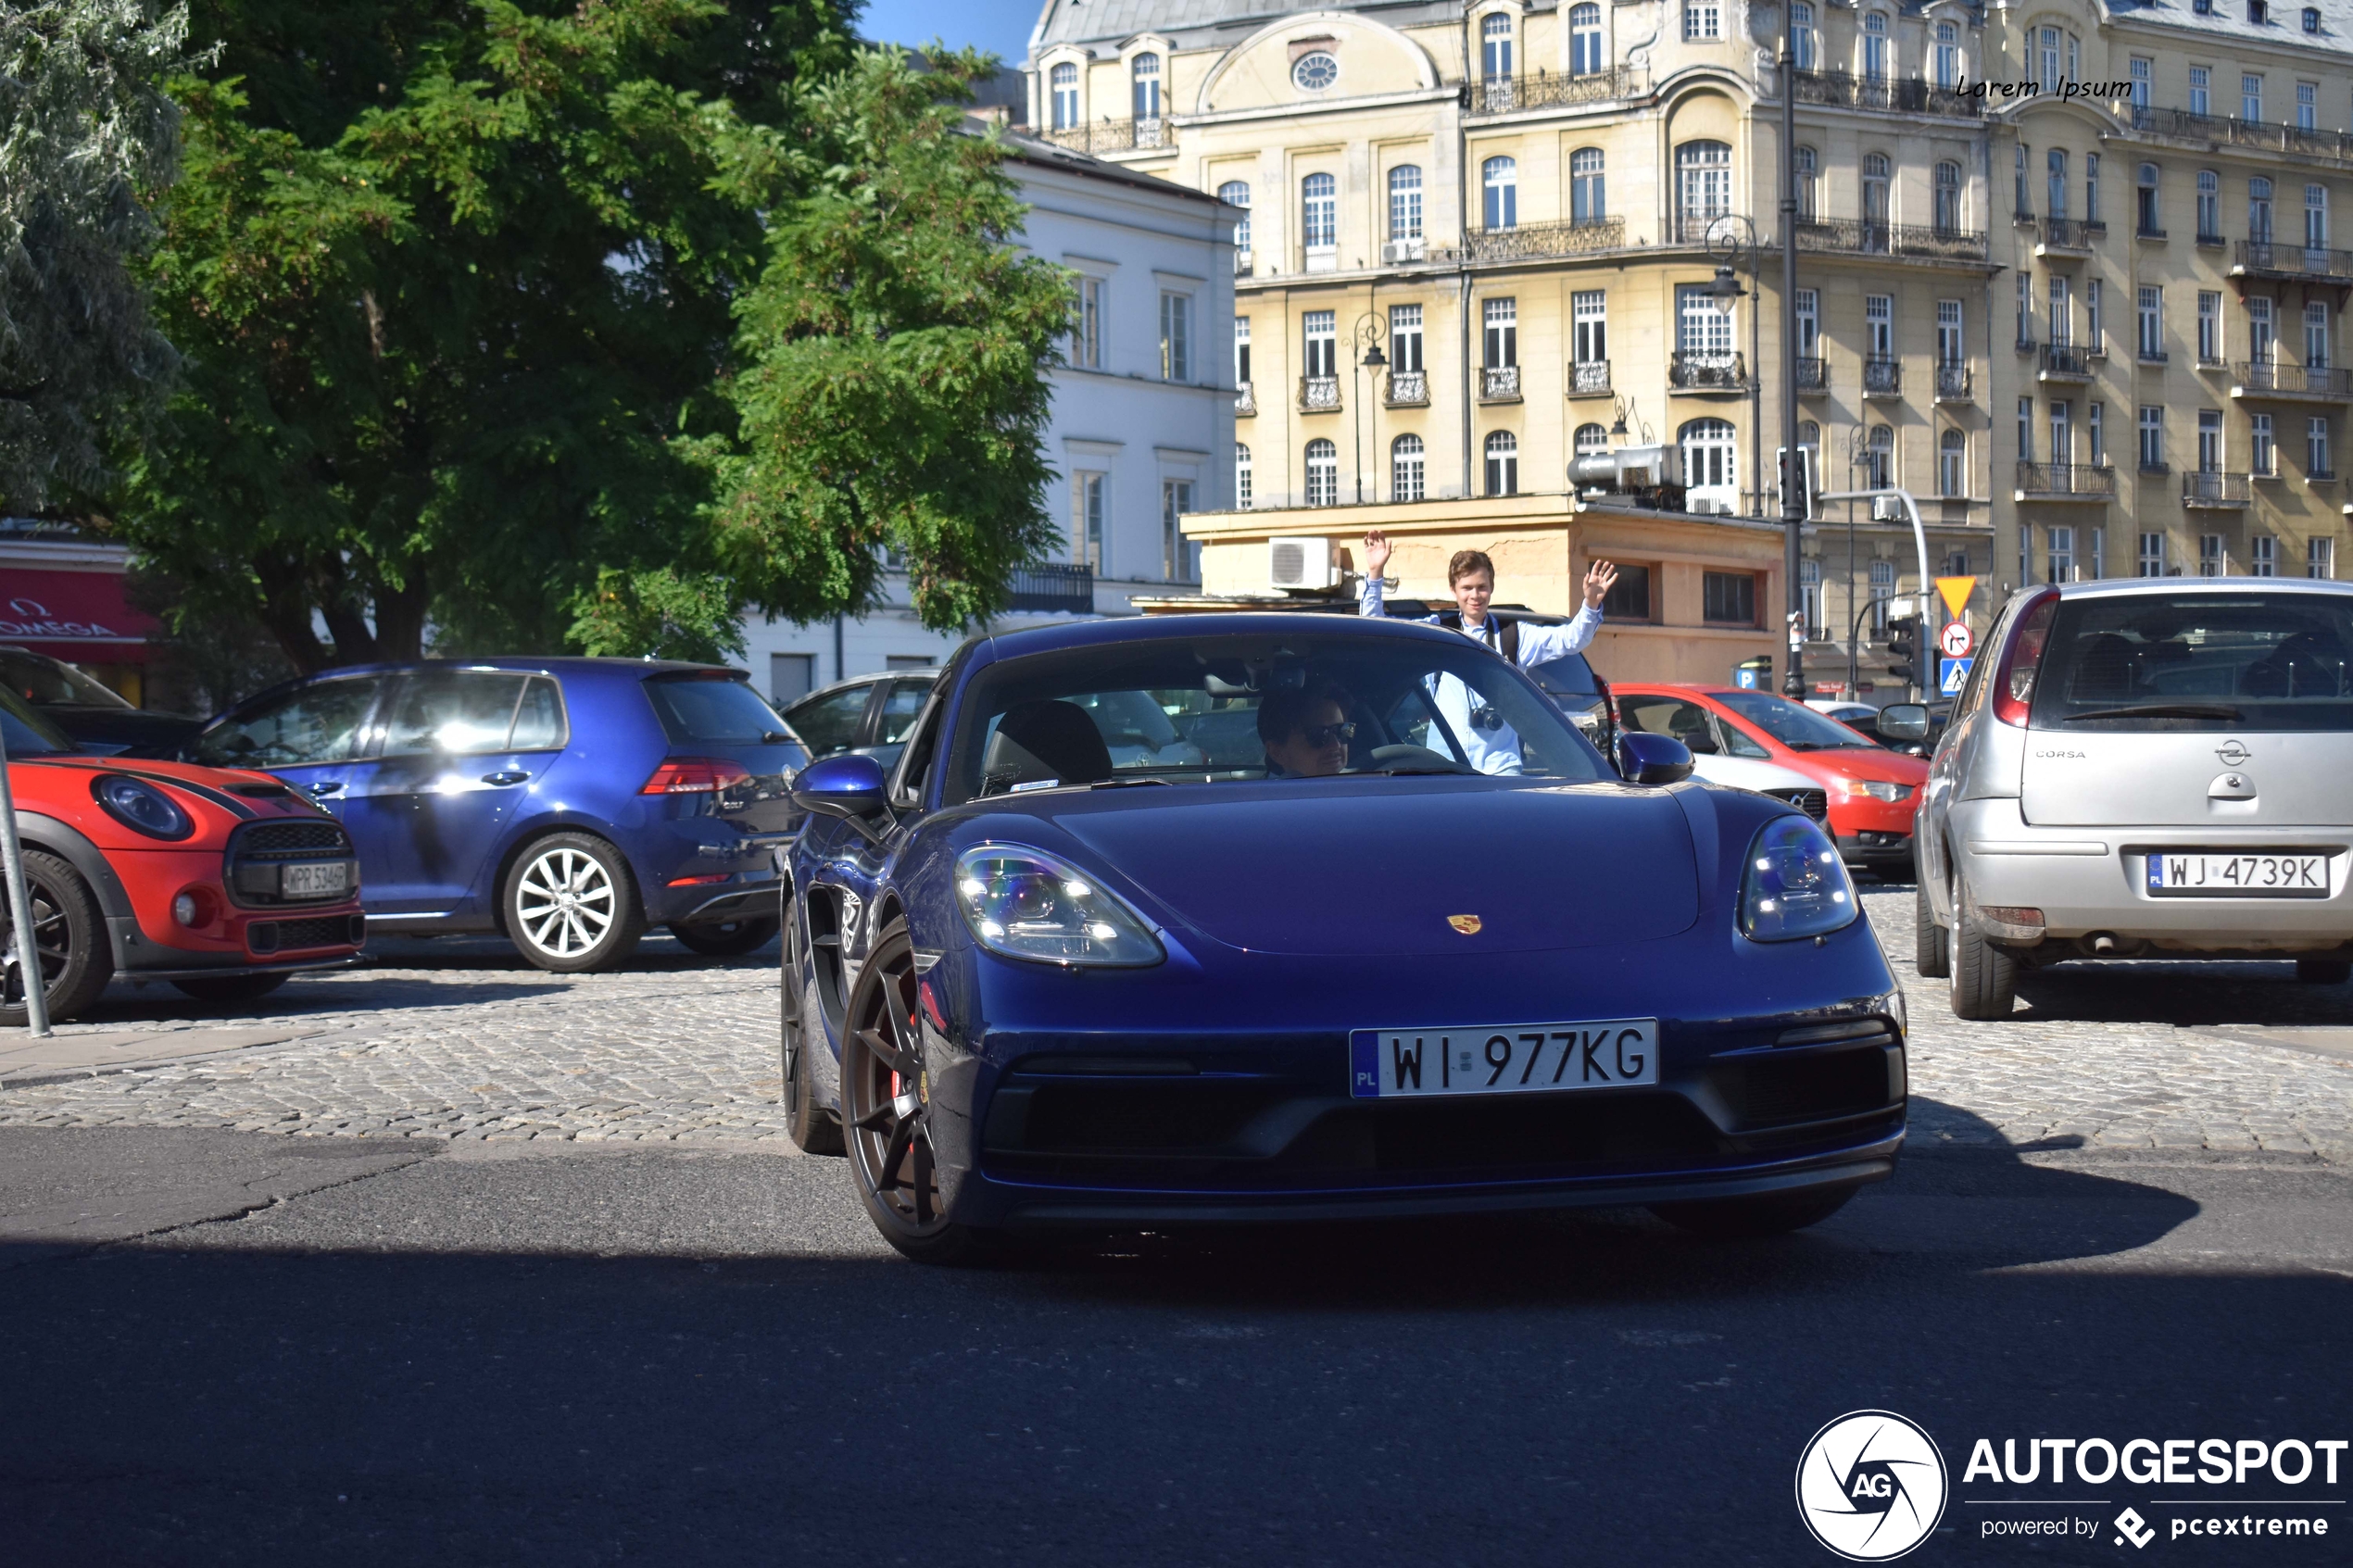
[
  {"x": 716, "y": 709},
  {"x": 2263, "y": 659}
]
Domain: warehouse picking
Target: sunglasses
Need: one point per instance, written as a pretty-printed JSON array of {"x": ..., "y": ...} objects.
[{"x": 1324, "y": 734}]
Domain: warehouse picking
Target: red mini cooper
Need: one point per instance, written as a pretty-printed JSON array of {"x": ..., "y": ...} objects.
[{"x": 223, "y": 883}]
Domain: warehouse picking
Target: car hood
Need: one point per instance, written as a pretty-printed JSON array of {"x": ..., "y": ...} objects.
[
  {"x": 1380, "y": 868},
  {"x": 1869, "y": 762}
]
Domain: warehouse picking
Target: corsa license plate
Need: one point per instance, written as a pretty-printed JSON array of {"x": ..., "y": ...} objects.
[
  {"x": 2189, "y": 874},
  {"x": 313, "y": 879},
  {"x": 1512, "y": 1060}
]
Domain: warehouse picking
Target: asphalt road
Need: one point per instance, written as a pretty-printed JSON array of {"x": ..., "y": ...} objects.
[{"x": 383, "y": 1350}]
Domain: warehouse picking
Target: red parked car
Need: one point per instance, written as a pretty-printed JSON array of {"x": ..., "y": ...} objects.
[
  {"x": 1869, "y": 792},
  {"x": 222, "y": 882}
]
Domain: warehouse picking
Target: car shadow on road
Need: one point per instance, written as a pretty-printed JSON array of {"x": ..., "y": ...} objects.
[
  {"x": 2134, "y": 991},
  {"x": 660, "y": 953}
]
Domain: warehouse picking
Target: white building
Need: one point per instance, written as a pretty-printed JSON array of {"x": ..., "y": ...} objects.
[{"x": 1143, "y": 427}]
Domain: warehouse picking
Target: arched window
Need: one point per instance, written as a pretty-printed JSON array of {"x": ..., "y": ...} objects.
[
  {"x": 1066, "y": 80},
  {"x": 1319, "y": 217},
  {"x": 1405, "y": 468},
  {"x": 1236, "y": 192},
  {"x": 1501, "y": 178},
  {"x": 1952, "y": 464},
  {"x": 1877, "y": 172},
  {"x": 2258, "y": 210},
  {"x": 1702, "y": 188},
  {"x": 1875, "y": 47},
  {"x": 2210, "y": 207},
  {"x": 1948, "y": 199},
  {"x": 2055, "y": 183},
  {"x": 1241, "y": 477},
  {"x": 1323, "y": 473},
  {"x": 1947, "y": 62},
  {"x": 1584, "y": 40},
  {"x": 1591, "y": 439},
  {"x": 1495, "y": 45},
  {"x": 2316, "y": 217},
  {"x": 1502, "y": 463},
  {"x": 1405, "y": 202},
  {"x": 1879, "y": 459},
  {"x": 1145, "y": 71},
  {"x": 1588, "y": 198},
  {"x": 1810, "y": 185},
  {"x": 1711, "y": 470},
  {"x": 1801, "y": 21}
]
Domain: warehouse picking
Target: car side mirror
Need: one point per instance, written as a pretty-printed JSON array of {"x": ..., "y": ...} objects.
[
  {"x": 1646, "y": 758},
  {"x": 1902, "y": 720},
  {"x": 848, "y": 785}
]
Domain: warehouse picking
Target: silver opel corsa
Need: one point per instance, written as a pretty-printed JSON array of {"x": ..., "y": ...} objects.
[{"x": 2153, "y": 768}]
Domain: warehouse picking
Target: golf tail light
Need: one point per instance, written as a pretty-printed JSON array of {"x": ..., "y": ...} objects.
[
  {"x": 1027, "y": 904},
  {"x": 1793, "y": 883},
  {"x": 140, "y": 806},
  {"x": 696, "y": 775}
]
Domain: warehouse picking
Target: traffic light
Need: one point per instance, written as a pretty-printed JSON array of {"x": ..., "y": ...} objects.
[{"x": 1903, "y": 643}]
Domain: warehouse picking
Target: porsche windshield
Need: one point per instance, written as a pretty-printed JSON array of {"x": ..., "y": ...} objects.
[{"x": 1179, "y": 709}]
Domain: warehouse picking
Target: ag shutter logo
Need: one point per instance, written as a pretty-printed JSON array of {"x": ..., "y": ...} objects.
[{"x": 1871, "y": 1486}]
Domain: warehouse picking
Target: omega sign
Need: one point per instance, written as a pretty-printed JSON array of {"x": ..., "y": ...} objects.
[{"x": 30, "y": 619}]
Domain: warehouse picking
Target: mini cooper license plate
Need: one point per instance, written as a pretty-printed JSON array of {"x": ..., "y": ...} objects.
[
  {"x": 1515, "y": 1058},
  {"x": 313, "y": 879},
  {"x": 2188, "y": 874}
]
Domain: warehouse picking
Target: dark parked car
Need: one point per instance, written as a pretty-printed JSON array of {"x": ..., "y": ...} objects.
[
  {"x": 92, "y": 715},
  {"x": 568, "y": 803},
  {"x": 867, "y": 714}
]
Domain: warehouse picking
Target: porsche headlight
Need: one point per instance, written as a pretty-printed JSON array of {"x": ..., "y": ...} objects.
[
  {"x": 1793, "y": 883},
  {"x": 140, "y": 806},
  {"x": 1026, "y": 904}
]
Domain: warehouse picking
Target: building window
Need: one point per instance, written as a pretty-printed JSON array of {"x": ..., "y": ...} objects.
[
  {"x": 1236, "y": 192},
  {"x": 1066, "y": 85},
  {"x": 2251, "y": 99},
  {"x": 1323, "y": 473},
  {"x": 2263, "y": 455},
  {"x": 1702, "y": 18},
  {"x": 2261, "y": 344},
  {"x": 2262, "y": 556},
  {"x": 1809, "y": 324},
  {"x": 2316, "y": 449},
  {"x": 1316, "y": 72},
  {"x": 1090, "y": 495},
  {"x": 2062, "y": 312},
  {"x": 2062, "y": 432},
  {"x": 2141, "y": 72},
  {"x": 1145, "y": 74},
  {"x": 2048, "y": 40},
  {"x": 2152, "y": 324},
  {"x": 2209, "y": 441},
  {"x": 2096, "y": 316},
  {"x": 1584, "y": 40},
  {"x": 2152, "y": 439},
  {"x": 2212, "y": 559},
  {"x": 2091, "y": 188},
  {"x": 2258, "y": 210},
  {"x": 1948, "y": 55},
  {"x": 2210, "y": 207},
  {"x": 1086, "y": 327},
  {"x": 1180, "y": 556},
  {"x": 1701, "y": 326},
  {"x": 1502, "y": 463},
  {"x": 2019, "y": 205},
  {"x": 2210, "y": 327},
  {"x": 1587, "y": 311},
  {"x": 1241, "y": 476},
  {"x": 1405, "y": 468},
  {"x": 1878, "y": 459},
  {"x": 2316, "y": 217},
  {"x": 1500, "y": 178},
  {"x": 1809, "y": 174},
  {"x": 2201, "y": 101},
  {"x": 2054, "y": 182},
  {"x": 1875, "y": 47},
  {"x": 1319, "y": 212},
  {"x": 2311, "y": 18},
  {"x": 1802, "y": 38},
  {"x": 2152, "y": 554},
  {"x": 2146, "y": 212},
  {"x": 2059, "y": 554},
  {"x": 1948, "y": 199},
  {"x": 1242, "y": 351},
  {"x": 1729, "y": 597},
  {"x": 1879, "y": 325},
  {"x": 2307, "y": 106},
  {"x": 1588, "y": 195},
  {"x": 1809, "y": 597},
  {"x": 2025, "y": 308},
  {"x": 2095, "y": 432},
  {"x": 1502, "y": 333},
  {"x": 1176, "y": 337},
  {"x": 2320, "y": 559},
  {"x": 1950, "y": 350},
  {"x": 1592, "y": 439},
  {"x": 1876, "y": 171},
  {"x": 1405, "y": 202},
  {"x": 1495, "y": 46},
  {"x": 1702, "y": 187},
  {"x": 1321, "y": 332},
  {"x": 1405, "y": 340},
  {"x": 2316, "y": 334},
  {"x": 1708, "y": 459},
  {"x": 1952, "y": 464},
  {"x": 2026, "y": 430}
]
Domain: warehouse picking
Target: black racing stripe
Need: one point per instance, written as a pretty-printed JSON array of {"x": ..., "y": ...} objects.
[{"x": 228, "y": 803}]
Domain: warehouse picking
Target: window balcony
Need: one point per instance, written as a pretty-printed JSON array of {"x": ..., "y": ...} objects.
[
  {"x": 2261, "y": 135},
  {"x": 1854, "y": 236},
  {"x": 1882, "y": 377},
  {"x": 2065, "y": 361},
  {"x": 1692, "y": 227},
  {"x": 2153, "y": 357},
  {"x": 2065, "y": 236},
  {"x": 2264, "y": 258},
  {"x": 2218, "y": 489},
  {"x": 1115, "y": 136},
  {"x": 1507, "y": 94},
  {"x": 1813, "y": 376},
  {"x": 1952, "y": 383},
  {"x": 2319, "y": 476},
  {"x": 1245, "y": 400},
  {"x": 2158, "y": 468},
  {"x": 1499, "y": 384},
  {"x": 2148, "y": 232},
  {"x": 1588, "y": 378},
  {"x": 1697, "y": 373},
  {"x": 1535, "y": 242},
  {"x": 2210, "y": 242},
  {"x": 1319, "y": 395},
  {"x": 1839, "y": 89},
  {"x": 1054, "y": 588},
  {"x": 1407, "y": 389},
  {"x": 2272, "y": 382},
  {"x": 2065, "y": 482}
]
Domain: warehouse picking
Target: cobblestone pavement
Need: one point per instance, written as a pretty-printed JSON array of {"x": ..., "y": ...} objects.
[{"x": 459, "y": 1039}]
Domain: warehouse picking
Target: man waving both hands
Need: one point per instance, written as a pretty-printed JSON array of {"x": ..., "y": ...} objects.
[{"x": 1472, "y": 577}]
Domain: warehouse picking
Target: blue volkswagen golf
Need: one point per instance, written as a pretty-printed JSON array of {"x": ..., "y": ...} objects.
[
  {"x": 1386, "y": 935},
  {"x": 568, "y": 803}
]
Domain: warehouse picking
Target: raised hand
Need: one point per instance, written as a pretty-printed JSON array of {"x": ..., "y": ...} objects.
[
  {"x": 1377, "y": 551},
  {"x": 1599, "y": 579}
]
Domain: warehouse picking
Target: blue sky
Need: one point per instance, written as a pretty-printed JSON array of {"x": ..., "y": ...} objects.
[{"x": 1000, "y": 26}]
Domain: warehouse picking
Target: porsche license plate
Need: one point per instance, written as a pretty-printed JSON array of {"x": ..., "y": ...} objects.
[
  {"x": 1510, "y": 1060},
  {"x": 2193, "y": 874},
  {"x": 313, "y": 879}
]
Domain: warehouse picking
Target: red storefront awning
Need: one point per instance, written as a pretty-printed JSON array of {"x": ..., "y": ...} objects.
[{"x": 77, "y": 616}]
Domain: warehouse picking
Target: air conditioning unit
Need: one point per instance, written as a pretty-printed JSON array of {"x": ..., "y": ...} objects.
[
  {"x": 1889, "y": 508},
  {"x": 1708, "y": 506},
  {"x": 1299, "y": 563},
  {"x": 1396, "y": 253}
]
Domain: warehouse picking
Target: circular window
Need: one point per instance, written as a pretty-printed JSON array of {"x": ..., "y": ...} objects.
[{"x": 1315, "y": 72}]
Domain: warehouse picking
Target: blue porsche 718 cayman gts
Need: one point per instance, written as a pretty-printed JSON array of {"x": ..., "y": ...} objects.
[{"x": 1206, "y": 920}]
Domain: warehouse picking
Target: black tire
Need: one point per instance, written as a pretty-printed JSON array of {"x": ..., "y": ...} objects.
[
  {"x": 1931, "y": 951},
  {"x": 69, "y": 935},
  {"x": 728, "y": 939},
  {"x": 891, "y": 1161},
  {"x": 2323, "y": 971},
  {"x": 1984, "y": 977},
  {"x": 1731, "y": 1218},
  {"x": 813, "y": 1129},
  {"x": 599, "y": 926},
  {"x": 232, "y": 988}
]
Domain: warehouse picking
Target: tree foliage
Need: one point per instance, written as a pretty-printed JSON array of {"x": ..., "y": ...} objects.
[{"x": 85, "y": 130}]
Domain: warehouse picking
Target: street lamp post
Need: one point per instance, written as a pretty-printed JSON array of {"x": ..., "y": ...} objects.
[{"x": 1370, "y": 330}]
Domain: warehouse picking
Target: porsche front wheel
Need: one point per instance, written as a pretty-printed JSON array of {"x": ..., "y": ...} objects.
[{"x": 886, "y": 1110}]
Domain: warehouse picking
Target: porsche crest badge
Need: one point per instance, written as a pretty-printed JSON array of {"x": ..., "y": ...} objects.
[{"x": 1466, "y": 924}]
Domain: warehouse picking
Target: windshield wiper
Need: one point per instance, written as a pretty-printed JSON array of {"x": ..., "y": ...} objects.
[
  {"x": 1126, "y": 784},
  {"x": 2222, "y": 710}
]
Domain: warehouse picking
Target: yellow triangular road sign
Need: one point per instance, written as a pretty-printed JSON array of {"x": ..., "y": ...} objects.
[{"x": 1955, "y": 592}]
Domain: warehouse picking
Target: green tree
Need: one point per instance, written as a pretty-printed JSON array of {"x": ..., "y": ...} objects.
[
  {"x": 85, "y": 132},
  {"x": 892, "y": 391}
]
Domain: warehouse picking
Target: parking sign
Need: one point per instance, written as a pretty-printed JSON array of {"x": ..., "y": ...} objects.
[{"x": 1956, "y": 676}]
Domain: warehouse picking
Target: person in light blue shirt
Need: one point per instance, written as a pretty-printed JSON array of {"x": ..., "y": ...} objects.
[{"x": 1487, "y": 743}]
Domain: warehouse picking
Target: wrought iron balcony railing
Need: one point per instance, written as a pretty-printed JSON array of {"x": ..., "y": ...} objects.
[
  {"x": 1588, "y": 376},
  {"x": 2260, "y": 376},
  {"x": 1318, "y": 395},
  {"x": 1530, "y": 242},
  {"x": 1708, "y": 372},
  {"x": 2263, "y": 134},
  {"x": 1499, "y": 384},
  {"x": 1054, "y": 588},
  {"x": 2294, "y": 261},
  {"x": 2068, "y": 234},
  {"x": 1114, "y": 136},
  {"x": 1952, "y": 384},
  {"x": 2066, "y": 359},
  {"x": 1692, "y": 225},
  {"x": 1407, "y": 389},
  {"x": 1813, "y": 374},
  {"x": 1860, "y": 237},
  {"x": 2066, "y": 479},
  {"x": 2213, "y": 488},
  {"x": 1502, "y": 94},
  {"x": 1882, "y": 377},
  {"x": 1841, "y": 89}
]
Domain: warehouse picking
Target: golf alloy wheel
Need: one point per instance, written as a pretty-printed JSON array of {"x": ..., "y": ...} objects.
[{"x": 571, "y": 904}]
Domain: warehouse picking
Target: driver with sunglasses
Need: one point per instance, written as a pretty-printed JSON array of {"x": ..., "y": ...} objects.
[{"x": 1305, "y": 731}]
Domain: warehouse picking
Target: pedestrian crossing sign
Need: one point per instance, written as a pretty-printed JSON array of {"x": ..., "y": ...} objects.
[{"x": 1956, "y": 676}]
